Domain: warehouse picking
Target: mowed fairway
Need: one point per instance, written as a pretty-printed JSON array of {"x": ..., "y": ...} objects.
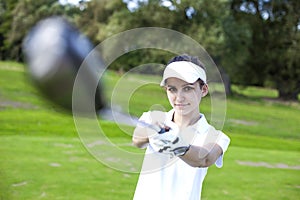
[{"x": 42, "y": 157}]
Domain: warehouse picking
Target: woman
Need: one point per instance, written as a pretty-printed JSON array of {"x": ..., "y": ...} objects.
[{"x": 182, "y": 145}]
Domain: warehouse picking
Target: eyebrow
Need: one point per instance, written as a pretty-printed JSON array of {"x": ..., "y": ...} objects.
[{"x": 192, "y": 84}]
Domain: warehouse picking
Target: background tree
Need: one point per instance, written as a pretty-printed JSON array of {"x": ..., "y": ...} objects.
[
  {"x": 17, "y": 17},
  {"x": 6, "y": 17},
  {"x": 262, "y": 44},
  {"x": 256, "y": 41},
  {"x": 95, "y": 19},
  {"x": 198, "y": 19}
]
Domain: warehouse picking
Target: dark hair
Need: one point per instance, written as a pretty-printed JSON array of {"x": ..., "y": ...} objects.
[{"x": 192, "y": 59}]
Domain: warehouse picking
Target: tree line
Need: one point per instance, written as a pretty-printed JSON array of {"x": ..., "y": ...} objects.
[{"x": 256, "y": 42}]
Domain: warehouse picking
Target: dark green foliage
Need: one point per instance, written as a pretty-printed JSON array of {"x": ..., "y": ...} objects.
[
  {"x": 263, "y": 37},
  {"x": 255, "y": 41},
  {"x": 18, "y": 17}
]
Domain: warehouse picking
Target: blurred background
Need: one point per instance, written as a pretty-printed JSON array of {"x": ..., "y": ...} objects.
[{"x": 255, "y": 44}]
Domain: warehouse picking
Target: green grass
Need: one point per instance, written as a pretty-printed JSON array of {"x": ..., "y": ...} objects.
[{"x": 42, "y": 157}]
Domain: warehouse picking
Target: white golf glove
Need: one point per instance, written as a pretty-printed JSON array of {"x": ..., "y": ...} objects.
[{"x": 169, "y": 142}]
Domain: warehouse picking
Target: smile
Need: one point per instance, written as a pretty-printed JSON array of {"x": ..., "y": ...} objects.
[{"x": 180, "y": 105}]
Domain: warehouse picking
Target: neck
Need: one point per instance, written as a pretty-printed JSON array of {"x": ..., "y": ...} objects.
[{"x": 186, "y": 120}]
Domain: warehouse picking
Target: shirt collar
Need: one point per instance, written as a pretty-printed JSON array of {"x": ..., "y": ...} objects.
[{"x": 201, "y": 125}]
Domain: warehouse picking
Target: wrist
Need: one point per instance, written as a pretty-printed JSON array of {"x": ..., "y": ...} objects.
[{"x": 181, "y": 151}]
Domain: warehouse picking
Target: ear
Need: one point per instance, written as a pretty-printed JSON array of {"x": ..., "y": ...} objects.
[{"x": 204, "y": 90}]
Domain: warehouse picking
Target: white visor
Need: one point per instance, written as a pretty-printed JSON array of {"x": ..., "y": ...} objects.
[{"x": 184, "y": 70}]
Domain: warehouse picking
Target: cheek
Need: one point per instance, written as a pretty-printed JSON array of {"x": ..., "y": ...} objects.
[
  {"x": 195, "y": 97},
  {"x": 170, "y": 97}
]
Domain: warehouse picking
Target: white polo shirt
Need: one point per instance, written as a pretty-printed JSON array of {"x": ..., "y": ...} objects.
[{"x": 165, "y": 178}]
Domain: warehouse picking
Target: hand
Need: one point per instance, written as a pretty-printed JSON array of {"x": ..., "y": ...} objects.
[{"x": 169, "y": 142}]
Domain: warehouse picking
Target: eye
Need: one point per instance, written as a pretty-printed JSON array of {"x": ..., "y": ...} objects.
[
  {"x": 172, "y": 89},
  {"x": 187, "y": 88}
]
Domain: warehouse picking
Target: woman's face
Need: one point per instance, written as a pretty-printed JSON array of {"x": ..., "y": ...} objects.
[{"x": 185, "y": 97}]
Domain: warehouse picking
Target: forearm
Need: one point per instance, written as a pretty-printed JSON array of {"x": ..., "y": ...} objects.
[
  {"x": 140, "y": 142},
  {"x": 140, "y": 137},
  {"x": 204, "y": 156}
]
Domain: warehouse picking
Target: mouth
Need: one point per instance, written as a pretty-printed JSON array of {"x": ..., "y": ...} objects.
[{"x": 180, "y": 105}]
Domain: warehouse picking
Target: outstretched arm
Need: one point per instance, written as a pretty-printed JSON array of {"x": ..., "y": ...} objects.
[
  {"x": 140, "y": 137},
  {"x": 202, "y": 156}
]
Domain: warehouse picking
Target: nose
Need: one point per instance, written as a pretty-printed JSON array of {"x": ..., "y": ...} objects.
[{"x": 180, "y": 96}]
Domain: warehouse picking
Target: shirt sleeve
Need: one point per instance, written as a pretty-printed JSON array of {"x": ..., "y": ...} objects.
[
  {"x": 153, "y": 116},
  {"x": 145, "y": 117},
  {"x": 223, "y": 142}
]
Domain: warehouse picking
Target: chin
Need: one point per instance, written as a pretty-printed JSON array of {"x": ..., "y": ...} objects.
[
  {"x": 185, "y": 110},
  {"x": 182, "y": 111}
]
